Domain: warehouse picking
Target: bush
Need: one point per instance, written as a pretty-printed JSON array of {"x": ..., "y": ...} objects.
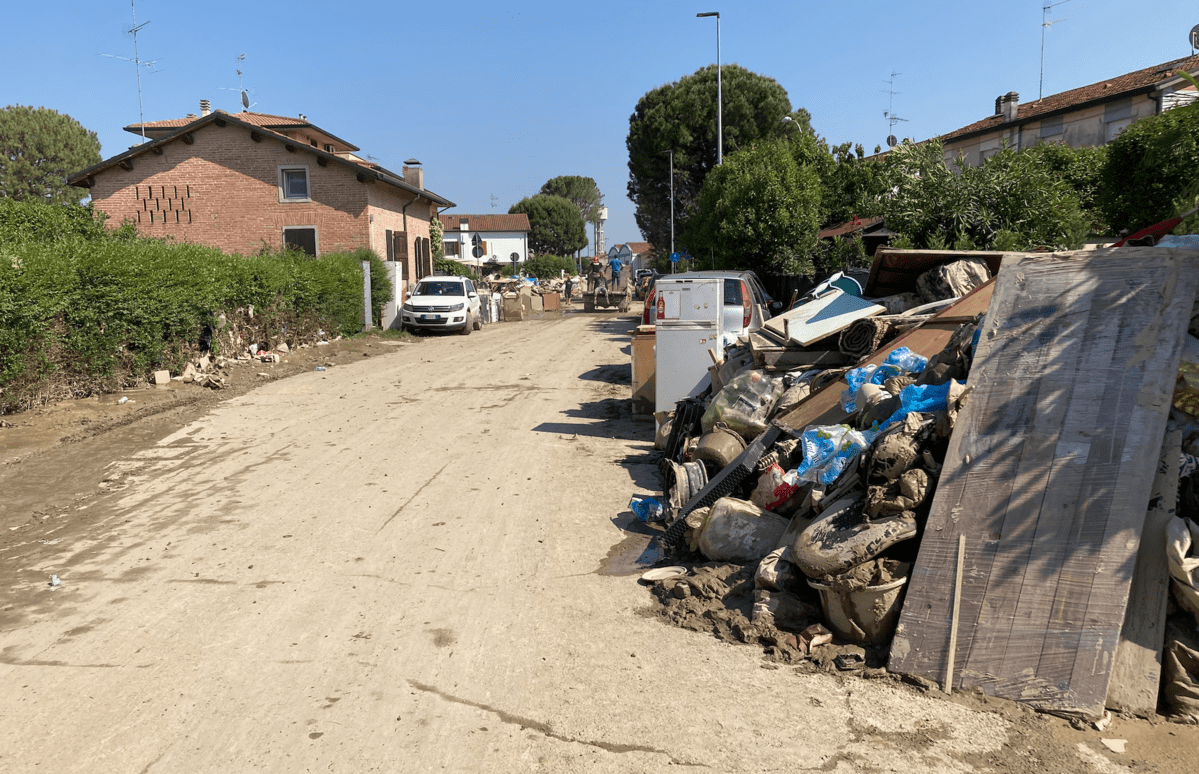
[
  {"x": 1149, "y": 167},
  {"x": 28, "y": 220},
  {"x": 1011, "y": 197},
  {"x": 83, "y": 311},
  {"x": 548, "y": 266},
  {"x": 452, "y": 268}
]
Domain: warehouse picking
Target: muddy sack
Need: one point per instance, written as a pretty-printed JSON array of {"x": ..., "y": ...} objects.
[
  {"x": 1180, "y": 672},
  {"x": 1182, "y": 557},
  {"x": 842, "y": 537},
  {"x": 952, "y": 280},
  {"x": 739, "y": 532},
  {"x": 744, "y": 404}
]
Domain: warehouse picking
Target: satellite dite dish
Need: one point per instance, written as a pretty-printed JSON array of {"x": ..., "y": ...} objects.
[
  {"x": 245, "y": 100},
  {"x": 1195, "y": 36},
  {"x": 891, "y": 141}
]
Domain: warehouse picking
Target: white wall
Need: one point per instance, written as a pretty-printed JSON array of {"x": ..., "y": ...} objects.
[{"x": 500, "y": 244}]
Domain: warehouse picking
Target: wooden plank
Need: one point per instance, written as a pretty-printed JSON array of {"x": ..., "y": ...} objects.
[
  {"x": 1084, "y": 347},
  {"x": 1136, "y": 673},
  {"x": 895, "y": 271},
  {"x": 823, "y": 408}
]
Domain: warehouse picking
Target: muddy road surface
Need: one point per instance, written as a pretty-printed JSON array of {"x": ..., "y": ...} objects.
[{"x": 398, "y": 565}]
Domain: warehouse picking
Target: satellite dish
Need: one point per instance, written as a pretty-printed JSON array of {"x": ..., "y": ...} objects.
[
  {"x": 1195, "y": 36},
  {"x": 245, "y": 100},
  {"x": 891, "y": 141}
]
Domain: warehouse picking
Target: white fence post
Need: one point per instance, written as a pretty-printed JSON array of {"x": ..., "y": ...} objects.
[{"x": 366, "y": 296}]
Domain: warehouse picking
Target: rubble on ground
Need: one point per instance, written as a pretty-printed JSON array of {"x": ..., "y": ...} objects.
[{"x": 799, "y": 488}]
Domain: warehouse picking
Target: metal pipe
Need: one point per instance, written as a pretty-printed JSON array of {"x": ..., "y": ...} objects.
[{"x": 719, "y": 100}]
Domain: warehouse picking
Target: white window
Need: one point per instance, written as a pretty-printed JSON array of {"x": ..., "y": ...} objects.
[{"x": 293, "y": 184}]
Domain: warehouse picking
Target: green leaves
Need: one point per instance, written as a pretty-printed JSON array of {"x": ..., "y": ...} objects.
[
  {"x": 582, "y": 192},
  {"x": 683, "y": 116},
  {"x": 39, "y": 149},
  {"x": 555, "y": 224},
  {"x": 1150, "y": 167}
]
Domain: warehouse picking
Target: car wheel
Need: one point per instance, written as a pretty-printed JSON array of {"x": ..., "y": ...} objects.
[
  {"x": 478, "y": 324},
  {"x": 467, "y": 326}
]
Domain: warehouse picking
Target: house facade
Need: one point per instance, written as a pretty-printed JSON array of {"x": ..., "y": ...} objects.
[
  {"x": 1087, "y": 116},
  {"x": 497, "y": 237},
  {"x": 248, "y": 181}
]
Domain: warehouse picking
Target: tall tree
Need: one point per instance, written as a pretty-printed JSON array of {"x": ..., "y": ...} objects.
[
  {"x": 555, "y": 224},
  {"x": 582, "y": 192},
  {"x": 682, "y": 116},
  {"x": 760, "y": 211},
  {"x": 39, "y": 148}
]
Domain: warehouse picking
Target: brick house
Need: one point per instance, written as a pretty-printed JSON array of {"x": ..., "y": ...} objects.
[
  {"x": 247, "y": 181},
  {"x": 1087, "y": 116}
]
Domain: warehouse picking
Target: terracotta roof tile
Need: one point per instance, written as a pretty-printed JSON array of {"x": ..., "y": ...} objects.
[
  {"x": 507, "y": 222},
  {"x": 639, "y": 248},
  {"x": 1107, "y": 89}
]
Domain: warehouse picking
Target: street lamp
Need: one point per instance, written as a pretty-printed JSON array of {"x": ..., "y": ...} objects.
[
  {"x": 671, "y": 152},
  {"x": 719, "y": 102}
]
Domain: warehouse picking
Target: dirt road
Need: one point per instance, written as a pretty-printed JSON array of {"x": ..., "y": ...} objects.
[{"x": 393, "y": 566}]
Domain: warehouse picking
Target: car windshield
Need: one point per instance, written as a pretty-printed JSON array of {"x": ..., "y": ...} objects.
[{"x": 440, "y": 288}]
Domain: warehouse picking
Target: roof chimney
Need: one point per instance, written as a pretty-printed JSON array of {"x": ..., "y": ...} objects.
[
  {"x": 1009, "y": 103},
  {"x": 205, "y": 107},
  {"x": 413, "y": 174}
]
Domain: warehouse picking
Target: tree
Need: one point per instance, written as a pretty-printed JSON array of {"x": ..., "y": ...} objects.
[
  {"x": 39, "y": 148},
  {"x": 760, "y": 211},
  {"x": 555, "y": 225},
  {"x": 681, "y": 116},
  {"x": 1152, "y": 164},
  {"x": 1079, "y": 168},
  {"x": 582, "y": 192},
  {"x": 1011, "y": 202}
]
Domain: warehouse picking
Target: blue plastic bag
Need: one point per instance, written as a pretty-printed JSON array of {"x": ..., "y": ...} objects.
[
  {"x": 828, "y": 450},
  {"x": 647, "y": 508},
  {"x": 899, "y": 362},
  {"x": 923, "y": 398}
]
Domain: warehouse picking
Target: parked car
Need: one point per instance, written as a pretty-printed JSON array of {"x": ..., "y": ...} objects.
[
  {"x": 741, "y": 289},
  {"x": 443, "y": 303},
  {"x": 644, "y": 280}
]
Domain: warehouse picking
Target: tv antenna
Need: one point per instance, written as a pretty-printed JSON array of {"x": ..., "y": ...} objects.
[
  {"x": 245, "y": 93},
  {"x": 1046, "y": 24},
  {"x": 494, "y": 199},
  {"x": 138, "y": 64},
  {"x": 889, "y": 113}
]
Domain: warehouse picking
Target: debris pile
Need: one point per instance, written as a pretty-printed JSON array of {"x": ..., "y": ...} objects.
[{"x": 968, "y": 480}]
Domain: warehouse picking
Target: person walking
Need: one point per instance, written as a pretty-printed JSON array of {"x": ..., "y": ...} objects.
[{"x": 570, "y": 286}]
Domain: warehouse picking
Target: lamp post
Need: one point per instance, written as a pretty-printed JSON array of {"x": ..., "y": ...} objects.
[
  {"x": 671, "y": 152},
  {"x": 719, "y": 102}
]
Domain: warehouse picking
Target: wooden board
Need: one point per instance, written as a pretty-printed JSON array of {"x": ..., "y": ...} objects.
[
  {"x": 895, "y": 271},
  {"x": 1048, "y": 474},
  {"x": 1136, "y": 674},
  {"x": 823, "y": 406}
]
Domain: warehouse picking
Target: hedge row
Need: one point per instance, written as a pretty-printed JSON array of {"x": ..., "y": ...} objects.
[{"x": 85, "y": 311}]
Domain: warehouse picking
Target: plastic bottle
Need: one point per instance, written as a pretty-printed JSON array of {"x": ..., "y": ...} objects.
[{"x": 647, "y": 508}]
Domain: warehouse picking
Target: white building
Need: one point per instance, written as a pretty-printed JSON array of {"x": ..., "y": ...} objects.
[
  {"x": 634, "y": 255},
  {"x": 478, "y": 240}
]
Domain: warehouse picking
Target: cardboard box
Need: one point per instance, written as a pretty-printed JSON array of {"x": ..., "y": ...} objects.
[{"x": 643, "y": 371}]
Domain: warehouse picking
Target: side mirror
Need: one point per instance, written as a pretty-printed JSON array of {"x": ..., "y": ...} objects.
[{"x": 472, "y": 294}]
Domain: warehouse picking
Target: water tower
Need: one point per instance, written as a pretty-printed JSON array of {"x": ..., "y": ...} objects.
[{"x": 600, "y": 216}]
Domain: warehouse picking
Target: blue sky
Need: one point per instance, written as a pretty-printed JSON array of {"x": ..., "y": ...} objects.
[{"x": 495, "y": 99}]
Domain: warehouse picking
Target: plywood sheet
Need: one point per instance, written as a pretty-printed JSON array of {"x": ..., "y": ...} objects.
[{"x": 1048, "y": 475}]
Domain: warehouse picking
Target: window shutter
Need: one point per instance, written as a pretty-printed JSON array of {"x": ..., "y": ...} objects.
[
  {"x": 483, "y": 244},
  {"x": 451, "y": 248},
  {"x": 401, "y": 245},
  {"x": 391, "y": 248}
]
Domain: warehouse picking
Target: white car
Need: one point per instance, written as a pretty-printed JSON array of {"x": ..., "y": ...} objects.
[{"x": 443, "y": 303}]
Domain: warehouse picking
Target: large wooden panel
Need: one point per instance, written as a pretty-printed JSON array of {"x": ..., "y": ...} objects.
[{"x": 1048, "y": 475}]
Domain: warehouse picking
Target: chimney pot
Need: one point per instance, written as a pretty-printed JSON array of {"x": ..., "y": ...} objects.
[
  {"x": 414, "y": 176},
  {"x": 205, "y": 107},
  {"x": 1011, "y": 103}
]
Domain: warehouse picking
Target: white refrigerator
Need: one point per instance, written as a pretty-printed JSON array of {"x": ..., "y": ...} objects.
[{"x": 688, "y": 323}]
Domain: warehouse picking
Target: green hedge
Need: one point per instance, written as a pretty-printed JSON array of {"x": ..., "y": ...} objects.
[{"x": 84, "y": 311}]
